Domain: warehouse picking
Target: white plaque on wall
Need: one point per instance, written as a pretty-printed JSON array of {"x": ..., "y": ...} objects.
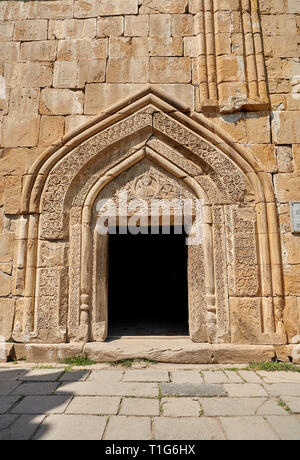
[{"x": 295, "y": 216}]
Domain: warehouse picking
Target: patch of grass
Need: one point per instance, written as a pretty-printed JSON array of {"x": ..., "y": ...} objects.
[
  {"x": 284, "y": 406},
  {"x": 45, "y": 367},
  {"x": 78, "y": 361},
  {"x": 272, "y": 367},
  {"x": 128, "y": 363}
]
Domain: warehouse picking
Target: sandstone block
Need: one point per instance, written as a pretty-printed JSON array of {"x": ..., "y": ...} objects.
[
  {"x": 61, "y": 102},
  {"x": 168, "y": 6},
  {"x": 51, "y": 130},
  {"x": 110, "y": 26},
  {"x": 6, "y": 30},
  {"x": 28, "y": 74},
  {"x": 31, "y": 30},
  {"x": 128, "y": 70},
  {"x": 286, "y": 128},
  {"x": 5, "y": 285},
  {"x": 6, "y": 247},
  {"x": 265, "y": 155},
  {"x": 87, "y": 8},
  {"x": 287, "y": 187},
  {"x": 242, "y": 353},
  {"x": 99, "y": 97},
  {"x": 292, "y": 280},
  {"x": 7, "y": 311},
  {"x": 160, "y": 25},
  {"x": 182, "y": 24},
  {"x": 84, "y": 49},
  {"x": 51, "y": 10},
  {"x": 9, "y": 51},
  {"x": 39, "y": 51},
  {"x": 24, "y": 100},
  {"x": 92, "y": 71},
  {"x": 72, "y": 29},
  {"x": 230, "y": 68},
  {"x": 36, "y": 353},
  {"x": 75, "y": 121},
  {"x": 12, "y": 194},
  {"x": 258, "y": 128},
  {"x": 111, "y": 8},
  {"x": 20, "y": 131},
  {"x": 170, "y": 70},
  {"x": 14, "y": 161},
  {"x": 65, "y": 74},
  {"x": 136, "y": 26}
]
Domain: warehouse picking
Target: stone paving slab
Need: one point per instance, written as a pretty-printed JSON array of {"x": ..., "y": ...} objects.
[
  {"x": 99, "y": 404},
  {"x": 10, "y": 374},
  {"x": 106, "y": 376},
  {"x": 233, "y": 377},
  {"x": 42, "y": 405},
  {"x": 6, "y": 402},
  {"x": 192, "y": 428},
  {"x": 146, "y": 376},
  {"x": 71, "y": 428},
  {"x": 283, "y": 389},
  {"x": 190, "y": 389},
  {"x": 181, "y": 407},
  {"x": 109, "y": 389},
  {"x": 8, "y": 387},
  {"x": 250, "y": 376},
  {"x": 245, "y": 390},
  {"x": 22, "y": 429},
  {"x": 182, "y": 376},
  {"x": 271, "y": 407},
  {"x": 41, "y": 375},
  {"x": 139, "y": 406},
  {"x": 128, "y": 428},
  {"x": 293, "y": 402},
  {"x": 74, "y": 376},
  {"x": 215, "y": 407},
  {"x": 287, "y": 428},
  {"x": 94, "y": 405},
  {"x": 248, "y": 428},
  {"x": 215, "y": 377},
  {"x": 280, "y": 377},
  {"x": 35, "y": 388},
  {"x": 7, "y": 420}
]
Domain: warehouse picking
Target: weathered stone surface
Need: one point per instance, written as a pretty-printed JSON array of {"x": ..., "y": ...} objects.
[
  {"x": 180, "y": 407},
  {"x": 72, "y": 428},
  {"x": 192, "y": 389},
  {"x": 251, "y": 428},
  {"x": 192, "y": 428},
  {"x": 242, "y": 353},
  {"x": 178, "y": 351},
  {"x": 7, "y": 311},
  {"x": 51, "y": 353},
  {"x": 128, "y": 428},
  {"x": 139, "y": 406},
  {"x": 61, "y": 102},
  {"x": 94, "y": 405}
]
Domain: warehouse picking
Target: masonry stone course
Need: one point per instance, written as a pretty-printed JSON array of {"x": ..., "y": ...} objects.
[{"x": 211, "y": 88}]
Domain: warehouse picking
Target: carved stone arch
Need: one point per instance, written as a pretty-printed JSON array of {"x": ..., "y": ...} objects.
[{"x": 241, "y": 219}]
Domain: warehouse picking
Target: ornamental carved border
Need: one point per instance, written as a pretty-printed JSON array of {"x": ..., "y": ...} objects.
[{"x": 227, "y": 176}]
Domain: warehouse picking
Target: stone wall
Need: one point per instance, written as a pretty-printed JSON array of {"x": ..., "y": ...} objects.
[{"x": 64, "y": 61}]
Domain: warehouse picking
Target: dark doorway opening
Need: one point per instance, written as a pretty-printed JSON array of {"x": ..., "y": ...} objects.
[{"x": 148, "y": 284}]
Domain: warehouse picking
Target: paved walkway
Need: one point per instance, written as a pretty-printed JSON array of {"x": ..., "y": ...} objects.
[{"x": 156, "y": 403}]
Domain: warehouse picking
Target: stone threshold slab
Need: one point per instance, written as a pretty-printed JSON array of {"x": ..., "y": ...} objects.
[{"x": 163, "y": 350}]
